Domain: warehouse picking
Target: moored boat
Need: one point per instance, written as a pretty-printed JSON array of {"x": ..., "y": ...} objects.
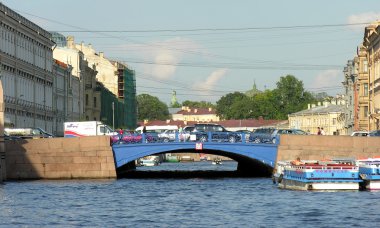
[
  {"x": 149, "y": 161},
  {"x": 369, "y": 170},
  {"x": 318, "y": 175},
  {"x": 172, "y": 158}
]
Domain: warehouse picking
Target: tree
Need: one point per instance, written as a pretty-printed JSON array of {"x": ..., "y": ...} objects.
[
  {"x": 176, "y": 105},
  {"x": 290, "y": 96},
  {"x": 224, "y": 105},
  {"x": 151, "y": 108},
  {"x": 265, "y": 105}
]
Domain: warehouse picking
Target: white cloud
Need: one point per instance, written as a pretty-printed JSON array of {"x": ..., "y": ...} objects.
[
  {"x": 210, "y": 82},
  {"x": 367, "y": 17},
  {"x": 165, "y": 55},
  {"x": 326, "y": 79},
  {"x": 162, "y": 71}
]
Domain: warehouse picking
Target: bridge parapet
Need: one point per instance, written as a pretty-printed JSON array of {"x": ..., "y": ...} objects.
[{"x": 211, "y": 137}]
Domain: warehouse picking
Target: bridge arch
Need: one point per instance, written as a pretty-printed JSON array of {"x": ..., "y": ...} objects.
[{"x": 253, "y": 159}]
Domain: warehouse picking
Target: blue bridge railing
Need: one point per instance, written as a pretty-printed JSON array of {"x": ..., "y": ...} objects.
[{"x": 204, "y": 137}]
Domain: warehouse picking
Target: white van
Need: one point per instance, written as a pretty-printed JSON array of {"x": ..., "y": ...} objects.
[{"x": 157, "y": 129}]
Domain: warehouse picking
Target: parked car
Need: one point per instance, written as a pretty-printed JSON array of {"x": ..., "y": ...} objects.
[
  {"x": 130, "y": 137},
  {"x": 218, "y": 133},
  {"x": 262, "y": 135},
  {"x": 269, "y": 135},
  {"x": 299, "y": 132},
  {"x": 360, "y": 133},
  {"x": 167, "y": 135},
  {"x": 374, "y": 133},
  {"x": 11, "y": 137},
  {"x": 186, "y": 131},
  {"x": 246, "y": 132}
]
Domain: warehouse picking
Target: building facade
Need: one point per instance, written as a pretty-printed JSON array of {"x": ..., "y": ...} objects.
[
  {"x": 351, "y": 95},
  {"x": 75, "y": 59},
  {"x": 108, "y": 87},
  {"x": 107, "y": 70},
  {"x": 363, "y": 86},
  {"x": 329, "y": 116},
  {"x": 92, "y": 96},
  {"x": 372, "y": 47},
  {"x": 196, "y": 114},
  {"x": 26, "y": 71},
  {"x": 127, "y": 94}
]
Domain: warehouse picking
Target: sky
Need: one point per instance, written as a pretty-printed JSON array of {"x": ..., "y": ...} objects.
[{"x": 204, "y": 49}]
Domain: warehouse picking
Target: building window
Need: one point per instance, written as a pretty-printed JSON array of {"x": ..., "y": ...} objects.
[
  {"x": 365, "y": 89},
  {"x": 94, "y": 102},
  {"x": 334, "y": 121},
  {"x": 86, "y": 99},
  {"x": 365, "y": 111},
  {"x": 365, "y": 66}
]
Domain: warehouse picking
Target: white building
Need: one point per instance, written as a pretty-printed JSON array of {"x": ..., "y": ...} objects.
[
  {"x": 75, "y": 59},
  {"x": 65, "y": 92},
  {"x": 106, "y": 69},
  {"x": 26, "y": 71}
]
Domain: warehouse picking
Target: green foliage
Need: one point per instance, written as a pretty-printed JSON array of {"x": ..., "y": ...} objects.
[
  {"x": 291, "y": 96},
  {"x": 288, "y": 97},
  {"x": 224, "y": 106},
  {"x": 266, "y": 106},
  {"x": 151, "y": 108},
  {"x": 176, "y": 105}
]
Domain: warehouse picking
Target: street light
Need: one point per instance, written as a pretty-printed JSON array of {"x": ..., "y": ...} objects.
[
  {"x": 18, "y": 103},
  {"x": 113, "y": 115}
]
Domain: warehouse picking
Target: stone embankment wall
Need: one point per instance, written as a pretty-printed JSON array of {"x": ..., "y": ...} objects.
[
  {"x": 60, "y": 158},
  {"x": 317, "y": 147}
]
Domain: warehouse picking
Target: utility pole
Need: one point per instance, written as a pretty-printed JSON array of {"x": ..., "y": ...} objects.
[{"x": 113, "y": 115}]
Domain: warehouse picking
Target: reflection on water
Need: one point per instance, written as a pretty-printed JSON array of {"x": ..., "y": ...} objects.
[{"x": 193, "y": 202}]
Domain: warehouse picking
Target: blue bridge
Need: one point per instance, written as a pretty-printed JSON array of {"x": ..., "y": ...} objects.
[{"x": 254, "y": 159}]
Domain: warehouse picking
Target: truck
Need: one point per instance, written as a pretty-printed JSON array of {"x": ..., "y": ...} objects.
[
  {"x": 27, "y": 133},
  {"x": 86, "y": 128}
]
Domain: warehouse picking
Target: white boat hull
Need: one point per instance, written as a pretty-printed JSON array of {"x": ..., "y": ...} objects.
[{"x": 299, "y": 185}]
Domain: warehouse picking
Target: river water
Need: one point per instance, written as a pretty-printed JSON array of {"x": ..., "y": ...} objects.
[{"x": 180, "y": 202}]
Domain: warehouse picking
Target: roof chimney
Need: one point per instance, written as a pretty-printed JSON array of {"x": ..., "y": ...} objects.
[
  {"x": 195, "y": 110},
  {"x": 70, "y": 42}
]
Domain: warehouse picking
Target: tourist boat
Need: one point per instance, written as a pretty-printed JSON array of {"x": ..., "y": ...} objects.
[
  {"x": 318, "y": 175},
  {"x": 149, "y": 161},
  {"x": 172, "y": 158},
  {"x": 369, "y": 171}
]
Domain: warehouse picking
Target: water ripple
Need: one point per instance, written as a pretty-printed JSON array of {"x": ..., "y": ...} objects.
[{"x": 197, "y": 202}]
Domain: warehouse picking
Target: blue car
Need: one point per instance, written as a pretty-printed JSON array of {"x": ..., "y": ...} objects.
[
  {"x": 218, "y": 133},
  {"x": 270, "y": 135}
]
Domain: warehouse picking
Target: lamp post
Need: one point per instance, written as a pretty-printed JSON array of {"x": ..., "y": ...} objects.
[
  {"x": 24, "y": 114},
  {"x": 113, "y": 115},
  {"x": 17, "y": 109}
]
